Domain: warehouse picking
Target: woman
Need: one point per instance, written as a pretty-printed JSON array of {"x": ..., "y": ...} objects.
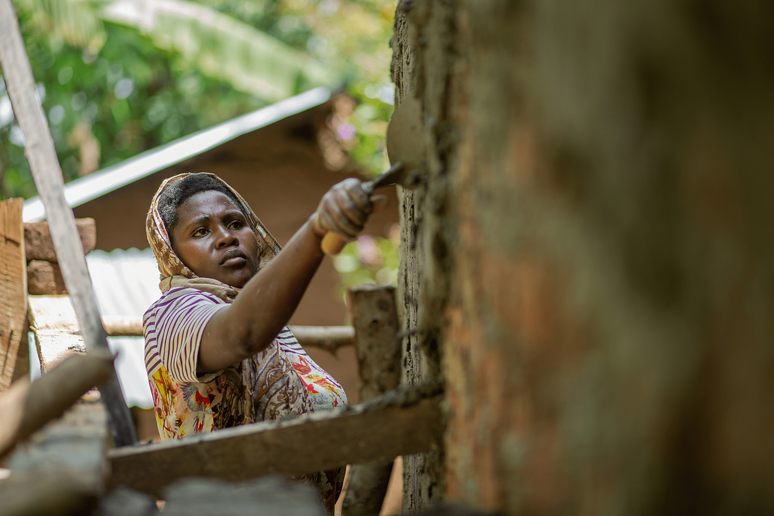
[{"x": 217, "y": 351}]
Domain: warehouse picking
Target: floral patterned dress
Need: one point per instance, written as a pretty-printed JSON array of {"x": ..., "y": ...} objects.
[{"x": 280, "y": 381}]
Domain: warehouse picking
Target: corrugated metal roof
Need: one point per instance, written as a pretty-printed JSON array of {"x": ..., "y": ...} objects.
[
  {"x": 90, "y": 187},
  {"x": 126, "y": 283}
]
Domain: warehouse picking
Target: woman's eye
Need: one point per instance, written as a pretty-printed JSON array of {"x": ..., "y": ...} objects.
[
  {"x": 237, "y": 224},
  {"x": 200, "y": 232}
]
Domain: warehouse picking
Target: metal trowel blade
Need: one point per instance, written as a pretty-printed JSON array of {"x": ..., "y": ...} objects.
[{"x": 404, "y": 134}]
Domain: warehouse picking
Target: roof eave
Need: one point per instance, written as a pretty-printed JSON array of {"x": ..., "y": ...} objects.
[{"x": 85, "y": 189}]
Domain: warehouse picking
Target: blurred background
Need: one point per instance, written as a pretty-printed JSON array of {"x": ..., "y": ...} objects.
[
  {"x": 123, "y": 83},
  {"x": 120, "y": 77}
]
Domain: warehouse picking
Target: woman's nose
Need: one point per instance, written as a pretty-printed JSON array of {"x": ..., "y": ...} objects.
[{"x": 224, "y": 237}]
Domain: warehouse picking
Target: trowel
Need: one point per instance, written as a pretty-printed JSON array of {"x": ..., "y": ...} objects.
[{"x": 404, "y": 150}]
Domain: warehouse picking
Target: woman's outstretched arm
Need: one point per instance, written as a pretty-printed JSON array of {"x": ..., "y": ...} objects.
[{"x": 267, "y": 301}]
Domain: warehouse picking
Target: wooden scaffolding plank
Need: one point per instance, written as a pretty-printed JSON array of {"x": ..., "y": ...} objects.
[
  {"x": 22, "y": 368},
  {"x": 328, "y": 338},
  {"x": 13, "y": 288},
  {"x": 41, "y": 155},
  {"x": 400, "y": 423}
]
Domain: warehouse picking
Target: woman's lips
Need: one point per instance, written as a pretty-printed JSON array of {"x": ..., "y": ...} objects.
[
  {"x": 234, "y": 261},
  {"x": 233, "y": 258}
]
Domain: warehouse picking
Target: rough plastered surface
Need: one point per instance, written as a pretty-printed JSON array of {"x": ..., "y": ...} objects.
[
  {"x": 426, "y": 260},
  {"x": 591, "y": 264}
]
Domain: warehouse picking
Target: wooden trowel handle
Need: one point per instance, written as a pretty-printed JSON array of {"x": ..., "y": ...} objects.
[{"x": 332, "y": 243}]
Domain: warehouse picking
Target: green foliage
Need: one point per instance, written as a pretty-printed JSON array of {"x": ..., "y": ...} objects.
[
  {"x": 369, "y": 260},
  {"x": 76, "y": 23},
  {"x": 112, "y": 89},
  {"x": 110, "y": 92},
  {"x": 353, "y": 37},
  {"x": 223, "y": 47},
  {"x": 129, "y": 98},
  {"x": 369, "y": 121}
]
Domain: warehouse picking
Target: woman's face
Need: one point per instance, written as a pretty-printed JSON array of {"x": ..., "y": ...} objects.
[{"x": 213, "y": 238}]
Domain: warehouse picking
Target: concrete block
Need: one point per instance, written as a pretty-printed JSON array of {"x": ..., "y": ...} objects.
[
  {"x": 39, "y": 246},
  {"x": 44, "y": 278}
]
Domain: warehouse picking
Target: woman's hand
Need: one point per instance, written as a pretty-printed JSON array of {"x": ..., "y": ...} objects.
[{"x": 344, "y": 209}]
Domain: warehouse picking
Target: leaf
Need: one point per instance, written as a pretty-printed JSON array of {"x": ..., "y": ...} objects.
[
  {"x": 77, "y": 22},
  {"x": 222, "y": 47}
]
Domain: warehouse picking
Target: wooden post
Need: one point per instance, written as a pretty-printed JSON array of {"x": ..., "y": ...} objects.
[
  {"x": 375, "y": 319},
  {"x": 13, "y": 289},
  {"x": 40, "y": 152},
  {"x": 22, "y": 368}
]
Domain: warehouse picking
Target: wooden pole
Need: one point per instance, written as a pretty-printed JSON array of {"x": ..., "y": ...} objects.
[
  {"x": 13, "y": 289},
  {"x": 328, "y": 338},
  {"x": 375, "y": 319},
  {"x": 40, "y": 152}
]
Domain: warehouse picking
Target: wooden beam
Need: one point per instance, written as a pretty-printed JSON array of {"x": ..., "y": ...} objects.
[
  {"x": 328, "y": 338},
  {"x": 123, "y": 326},
  {"x": 375, "y": 319},
  {"x": 22, "y": 368},
  {"x": 13, "y": 288},
  {"x": 403, "y": 422},
  {"x": 41, "y": 155},
  {"x": 55, "y": 326},
  {"x": 27, "y": 407}
]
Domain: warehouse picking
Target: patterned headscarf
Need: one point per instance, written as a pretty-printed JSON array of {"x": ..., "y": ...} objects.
[{"x": 174, "y": 273}]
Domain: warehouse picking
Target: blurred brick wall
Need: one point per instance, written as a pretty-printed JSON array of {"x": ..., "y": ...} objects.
[{"x": 591, "y": 265}]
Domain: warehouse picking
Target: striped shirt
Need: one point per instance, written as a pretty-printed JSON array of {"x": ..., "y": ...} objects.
[{"x": 278, "y": 381}]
